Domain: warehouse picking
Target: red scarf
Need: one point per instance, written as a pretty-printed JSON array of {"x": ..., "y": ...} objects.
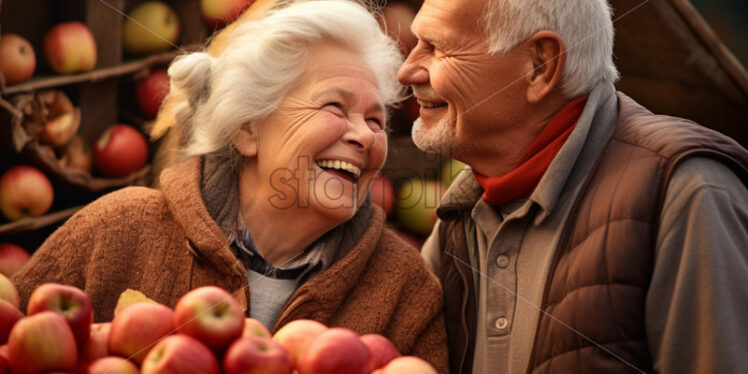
[{"x": 525, "y": 177}]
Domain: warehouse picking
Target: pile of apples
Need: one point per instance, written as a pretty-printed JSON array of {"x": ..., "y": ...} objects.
[{"x": 206, "y": 332}]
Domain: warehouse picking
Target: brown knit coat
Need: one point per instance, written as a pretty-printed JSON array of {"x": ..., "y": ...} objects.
[{"x": 164, "y": 243}]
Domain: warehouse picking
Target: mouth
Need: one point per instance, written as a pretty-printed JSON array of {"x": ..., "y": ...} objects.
[
  {"x": 428, "y": 104},
  {"x": 343, "y": 169}
]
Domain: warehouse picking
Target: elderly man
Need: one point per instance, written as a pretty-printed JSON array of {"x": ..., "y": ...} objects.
[{"x": 588, "y": 235}]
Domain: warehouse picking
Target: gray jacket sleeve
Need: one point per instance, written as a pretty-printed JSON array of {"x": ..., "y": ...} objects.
[
  {"x": 697, "y": 304},
  {"x": 431, "y": 249}
]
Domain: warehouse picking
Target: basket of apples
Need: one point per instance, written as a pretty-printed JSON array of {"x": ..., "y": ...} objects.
[
  {"x": 44, "y": 126},
  {"x": 206, "y": 332}
]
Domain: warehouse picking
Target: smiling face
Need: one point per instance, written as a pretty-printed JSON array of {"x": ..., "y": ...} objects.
[
  {"x": 467, "y": 95},
  {"x": 326, "y": 141}
]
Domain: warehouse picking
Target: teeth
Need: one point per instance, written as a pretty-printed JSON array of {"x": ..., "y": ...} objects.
[
  {"x": 429, "y": 104},
  {"x": 340, "y": 165}
]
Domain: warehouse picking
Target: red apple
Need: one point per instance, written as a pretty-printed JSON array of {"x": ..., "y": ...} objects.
[
  {"x": 77, "y": 155},
  {"x": 253, "y": 327},
  {"x": 397, "y": 17},
  {"x": 12, "y": 257},
  {"x": 70, "y": 48},
  {"x": 180, "y": 354},
  {"x": 408, "y": 365},
  {"x": 256, "y": 355},
  {"x": 218, "y": 13},
  {"x": 138, "y": 328},
  {"x": 151, "y": 92},
  {"x": 59, "y": 131},
  {"x": 295, "y": 336},
  {"x": 70, "y": 302},
  {"x": 150, "y": 27},
  {"x": 96, "y": 346},
  {"x": 8, "y": 291},
  {"x": 17, "y": 59},
  {"x": 25, "y": 191},
  {"x": 382, "y": 350},
  {"x": 40, "y": 343},
  {"x": 416, "y": 203},
  {"x": 210, "y": 315},
  {"x": 119, "y": 151},
  {"x": 336, "y": 351},
  {"x": 112, "y": 365},
  {"x": 9, "y": 315},
  {"x": 382, "y": 193}
]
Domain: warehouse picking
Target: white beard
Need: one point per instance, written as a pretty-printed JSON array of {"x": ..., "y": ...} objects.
[{"x": 441, "y": 138}]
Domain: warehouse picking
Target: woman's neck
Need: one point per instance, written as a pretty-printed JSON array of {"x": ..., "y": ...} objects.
[{"x": 280, "y": 234}]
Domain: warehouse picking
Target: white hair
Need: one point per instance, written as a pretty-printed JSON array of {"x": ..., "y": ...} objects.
[
  {"x": 585, "y": 26},
  {"x": 262, "y": 62}
]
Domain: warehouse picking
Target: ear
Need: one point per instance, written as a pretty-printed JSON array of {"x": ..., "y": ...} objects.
[
  {"x": 245, "y": 140},
  {"x": 548, "y": 54}
]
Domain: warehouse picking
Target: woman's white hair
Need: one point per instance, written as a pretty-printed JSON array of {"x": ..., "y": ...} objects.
[
  {"x": 262, "y": 62},
  {"x": 585, "y": 26}
]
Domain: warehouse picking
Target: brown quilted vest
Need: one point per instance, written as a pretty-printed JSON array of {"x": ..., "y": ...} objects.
[{"x": 602, "y": 266}]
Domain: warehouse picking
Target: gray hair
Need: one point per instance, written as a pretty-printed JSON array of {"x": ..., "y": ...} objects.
[
  {"x": 585, "y": 26},
  {"x": 262, "y": 62}
]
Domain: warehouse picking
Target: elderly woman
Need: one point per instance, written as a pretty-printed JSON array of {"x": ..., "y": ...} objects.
[{"x": 284, "y": 131}]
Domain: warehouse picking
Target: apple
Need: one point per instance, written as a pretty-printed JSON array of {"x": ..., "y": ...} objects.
[
  {"x": 335, "y": 351},
  {"x": 295, "y": 336},
  {"x": 9, "y": 315},
  {"x": 397, "y": 17},
  {"x": 253, "y": 327},
  {"x": 218, "y": 13},
  {"x": 119, "y": 151},
  {"x": 150, "y": 27},
  {"x": 210, "y": 315},
  {"x": 96, "y": 346},
  {"x": 59, "y": 131},
  {"x": 77, "y": 155},
  {"x": 4, "y": 368},
  {"x": 151, "y": 91},
  {"x": 451, "y": 170},
  {"x": 416, "y": 202},
  {"x": 382, "y": 193},
  {"x": 382, "y": 350},
  {"x": 112, "y": 365},
  {"x": 25, "y": 191},
  {"x": 256, "y": 355},
  {"x": 17, "y": 59},
  {"x": 70, "y": 302},
  {"x": 12, "y": 257},
  {"x": 40, "y": 343},
  {"x": 136, "y": 329},
  {"x": 8, "y": 291},
  {"x": 180, "y": 354},
  {"x": 70, "y": 48},
  {"x": 408, "y": 365}
]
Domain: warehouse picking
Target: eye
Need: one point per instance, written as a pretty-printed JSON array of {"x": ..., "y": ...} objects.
[
  {"x": 334, "y": 108},
  {"x": 376, "y": 122}
]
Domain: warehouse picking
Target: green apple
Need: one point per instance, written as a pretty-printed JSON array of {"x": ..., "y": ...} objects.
[
  {"x": 415, "y": 204},
  {"x": 150, "y": 27}
]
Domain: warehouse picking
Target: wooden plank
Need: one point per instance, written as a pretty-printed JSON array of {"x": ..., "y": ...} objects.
[
  {"x": 29, "y": 223},
  {"x": 91, "y": 76}
]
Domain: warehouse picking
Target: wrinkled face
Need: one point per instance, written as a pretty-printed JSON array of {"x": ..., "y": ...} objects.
[
  {"x": 464, "y": 92},
  {"x": 327, "y": 140}
]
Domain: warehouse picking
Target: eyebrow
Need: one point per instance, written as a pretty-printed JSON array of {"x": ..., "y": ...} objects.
[{"x": 348, "y": 96}]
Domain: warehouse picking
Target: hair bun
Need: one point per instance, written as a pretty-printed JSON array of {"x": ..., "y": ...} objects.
[{"x": 191, "y": 74}]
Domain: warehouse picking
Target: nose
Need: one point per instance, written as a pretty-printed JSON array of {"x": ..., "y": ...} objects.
[
  {"x": 413, "y": 71},
  {"x": 359, "y": 135}
]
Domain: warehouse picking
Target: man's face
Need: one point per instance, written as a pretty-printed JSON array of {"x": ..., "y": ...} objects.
[{"x": 467, "y": 96}]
